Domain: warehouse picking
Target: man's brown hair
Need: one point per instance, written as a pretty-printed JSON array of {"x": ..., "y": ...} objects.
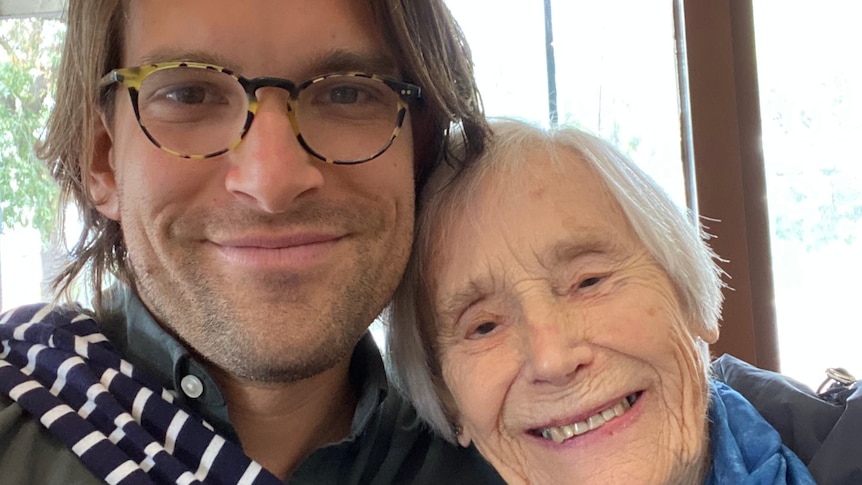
[{"x": 425, "y": 40}]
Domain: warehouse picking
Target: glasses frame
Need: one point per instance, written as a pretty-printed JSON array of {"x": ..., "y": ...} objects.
[{"x": 133, "y": 77}]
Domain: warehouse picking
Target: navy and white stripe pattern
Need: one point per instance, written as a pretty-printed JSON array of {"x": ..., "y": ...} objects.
[{"x": 58, "y": 366}]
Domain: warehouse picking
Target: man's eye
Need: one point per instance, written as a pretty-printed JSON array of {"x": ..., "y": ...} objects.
[
  {"x": 188, "y": 95},
  {"x": 344, "y": 95}
]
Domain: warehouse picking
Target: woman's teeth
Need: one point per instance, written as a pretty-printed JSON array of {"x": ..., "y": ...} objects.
[{"x": 560, "y": 434}]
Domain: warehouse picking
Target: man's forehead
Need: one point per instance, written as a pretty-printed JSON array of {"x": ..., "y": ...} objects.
[{"x": 289, "y": 35}]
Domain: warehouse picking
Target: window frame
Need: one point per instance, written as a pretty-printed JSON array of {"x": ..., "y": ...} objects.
[
  {"x": 730, "y": 174},
  {"x": 31, "y": 8}
]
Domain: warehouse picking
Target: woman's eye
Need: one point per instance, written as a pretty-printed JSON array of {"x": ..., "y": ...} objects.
[
  {"x": 589, "y": 282},
  {"x": 484, "y": 329}
]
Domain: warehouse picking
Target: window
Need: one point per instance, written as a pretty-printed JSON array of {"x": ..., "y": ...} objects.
[
  {"x": 615, "y": 79},
  {"x": 29, "y": 51},
  {"x": 811, "y": 110}
]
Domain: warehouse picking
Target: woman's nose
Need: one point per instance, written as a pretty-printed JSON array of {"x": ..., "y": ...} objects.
[{"x": 554, "y": 350}]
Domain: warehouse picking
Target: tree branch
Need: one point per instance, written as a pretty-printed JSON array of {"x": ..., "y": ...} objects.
[{"x": 8, "y": 48}]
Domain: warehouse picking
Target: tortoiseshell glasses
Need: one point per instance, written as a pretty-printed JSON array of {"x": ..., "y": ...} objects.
[{"x": 196, "y": 110}]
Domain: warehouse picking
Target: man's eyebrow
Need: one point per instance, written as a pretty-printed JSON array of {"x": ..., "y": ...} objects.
[
  {"x": 170, "y": 55},
  {"x": 341, "y": 60},
  {"x": 337, "y": 60}
]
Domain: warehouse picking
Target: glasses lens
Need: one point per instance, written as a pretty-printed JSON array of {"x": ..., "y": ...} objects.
[
  {"x": 347, "y": 118},
  {"x": 192, "y": 111}
]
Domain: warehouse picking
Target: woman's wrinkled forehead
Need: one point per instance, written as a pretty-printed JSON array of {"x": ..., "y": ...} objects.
[
  {"x": 506, "y": 179},
  {"x": 535, "y": 201}
]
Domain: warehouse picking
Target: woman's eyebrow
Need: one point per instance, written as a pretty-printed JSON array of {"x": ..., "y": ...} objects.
[
  {"x": 452, "y": 305},
  {"x": 580, "y": 245}
]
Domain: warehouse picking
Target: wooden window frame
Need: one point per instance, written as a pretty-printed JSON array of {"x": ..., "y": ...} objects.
[{"x": 729, "y": 171}]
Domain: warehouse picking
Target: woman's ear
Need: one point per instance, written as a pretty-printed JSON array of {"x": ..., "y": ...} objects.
[
  {"x": 708, "y": 333},
  {"x": 101, "y": 177}
]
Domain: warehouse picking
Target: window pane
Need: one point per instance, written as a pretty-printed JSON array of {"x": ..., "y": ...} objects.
[
  {"x": 617, "y": 77},
  {"x": 811, "y": 108},
  {"x": 508, "y": 44},
  {"x": 615, "y": 72},
  {"x": 29, "y": 51}
]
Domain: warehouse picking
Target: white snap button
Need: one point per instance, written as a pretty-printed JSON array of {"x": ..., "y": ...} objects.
[{"x": 192, "y": 386}]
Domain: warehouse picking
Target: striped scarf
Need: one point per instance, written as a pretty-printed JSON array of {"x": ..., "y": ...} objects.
[{"x": 58, "y": 366}]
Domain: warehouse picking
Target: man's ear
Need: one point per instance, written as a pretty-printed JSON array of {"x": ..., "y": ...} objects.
[
  {"x": 101, "y": 178},
  {"x": 463, "y": 436}
]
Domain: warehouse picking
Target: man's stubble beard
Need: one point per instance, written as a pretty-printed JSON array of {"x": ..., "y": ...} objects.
[{"x": 280, "y": 337}]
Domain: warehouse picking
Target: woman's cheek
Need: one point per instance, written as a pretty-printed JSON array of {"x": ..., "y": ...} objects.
[{"x": 476, "y": 386}]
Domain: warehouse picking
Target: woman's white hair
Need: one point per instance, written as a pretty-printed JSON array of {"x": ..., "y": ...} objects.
[{"x": 676, "y": 244}]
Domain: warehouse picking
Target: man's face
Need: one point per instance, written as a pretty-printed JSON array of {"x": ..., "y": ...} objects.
[
  {"x": 265, "y": 260},
  {"x": 561, "y": 340}
]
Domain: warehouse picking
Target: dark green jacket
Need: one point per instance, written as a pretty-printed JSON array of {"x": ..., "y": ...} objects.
[{"x": 386, "y": 444}]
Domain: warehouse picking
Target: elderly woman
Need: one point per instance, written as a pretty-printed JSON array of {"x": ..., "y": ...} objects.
[{"x": 556, "y": 314}]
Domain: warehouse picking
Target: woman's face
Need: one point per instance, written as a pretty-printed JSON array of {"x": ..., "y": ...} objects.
[{"x": 561, "y": 340}]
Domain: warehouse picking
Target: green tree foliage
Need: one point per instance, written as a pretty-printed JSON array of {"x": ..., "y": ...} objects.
[{"x": 29, "y": 54}]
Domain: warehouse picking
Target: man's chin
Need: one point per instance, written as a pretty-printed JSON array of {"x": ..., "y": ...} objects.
[
  {"x": 292, "y": 362},
  {"x": 266, "y": 348}
]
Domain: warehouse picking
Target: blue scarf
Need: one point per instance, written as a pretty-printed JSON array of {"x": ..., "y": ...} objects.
[
  {"x": 746, "y": 450},
  {"x": 125, "y": 428}
]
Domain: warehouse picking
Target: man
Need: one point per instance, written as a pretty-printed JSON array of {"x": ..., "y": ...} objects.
[{"x": 256, "y": 226}]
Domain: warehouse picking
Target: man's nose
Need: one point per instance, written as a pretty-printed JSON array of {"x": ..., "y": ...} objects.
[
  {"x": 554, "y": 348},
  {"x": 270, "y": 169}
]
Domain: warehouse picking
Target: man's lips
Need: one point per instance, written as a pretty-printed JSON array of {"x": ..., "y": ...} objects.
[
  {"x": 291, "y": 252},
  {"x": 276, "y": 242}
]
